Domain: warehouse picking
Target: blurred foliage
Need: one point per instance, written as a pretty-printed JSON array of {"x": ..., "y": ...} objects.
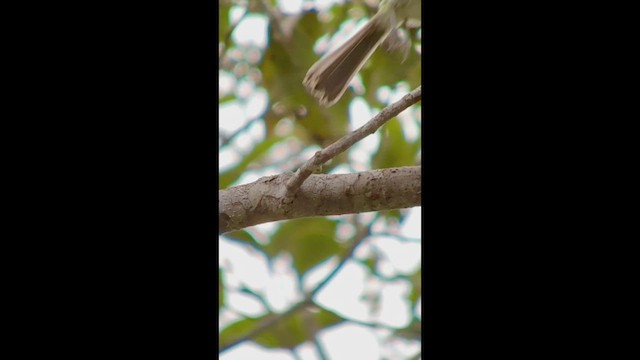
[
  {"x": 238, "y": 329},
  {"x": 394, "y": 150},
  {"x": 287, "y": 332},
  {"x": 309, "y": 241},
  {"x": 227, "y": 178},
  {"x": 416, "y": 289},
  {"x": 220, "y": 289},
  {"x": 293, "y": 127},
  {"x": 297, "y": 328}
]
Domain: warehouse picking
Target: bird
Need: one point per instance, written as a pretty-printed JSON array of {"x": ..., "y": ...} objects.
[{"x": 330, "y": 76}]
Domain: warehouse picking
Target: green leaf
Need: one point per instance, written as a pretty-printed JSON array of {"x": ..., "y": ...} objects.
[
  {"x": 236, "y": 330},
  {"x": 371, "y": 263},
  {"x": 392, "y": 214},
  {"x": 297, "y": 328},
  {"x": 326, "y": 318},
  {"x": 411, "y": 332},
  {"x": 244, "y": 237},
  {"x": 286, "y": 333},
  {"x": 387, "y": 69},
  {"x": 416, "y": 290},
  {"x": 308, "y": 240},
  {"x": 394, "y": 150},
  {"x": 223, "y": 20},
  {"x": 220, "y": 289}
]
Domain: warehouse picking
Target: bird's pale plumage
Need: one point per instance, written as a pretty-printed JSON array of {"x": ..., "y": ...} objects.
[{"x": 329, "y": 77}]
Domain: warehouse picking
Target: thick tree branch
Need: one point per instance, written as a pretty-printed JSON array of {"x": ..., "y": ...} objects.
[{"x": 265, "y": 199}]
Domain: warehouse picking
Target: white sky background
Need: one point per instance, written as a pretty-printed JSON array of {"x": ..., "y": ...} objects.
[{"x": 344, "y": 293}]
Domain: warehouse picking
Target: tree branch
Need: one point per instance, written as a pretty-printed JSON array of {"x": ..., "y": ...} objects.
[
  {"x": 348, "y": 140},
  {"x": 264, "y": 200}
]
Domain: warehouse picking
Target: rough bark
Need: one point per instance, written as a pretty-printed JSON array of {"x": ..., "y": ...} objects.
[{"x": 265, "y": 200}]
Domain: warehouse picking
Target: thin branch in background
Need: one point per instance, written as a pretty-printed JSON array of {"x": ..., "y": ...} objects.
[
  {"x": 295, "y": 354},
  {"x": 308, "y": 299},
  {"x": 321, "y": 353},
  {"x": 265, "y": 324},
  {"x": 283, "y": 25},
  {"x": 275, "y": 18},
  {"x": 259, "y": 298},
  {"x": 226, "y": 141},
  {"x": 227, "y": 36},
  {"x": 348, "y": 140},
  {"x": 358, "y": 238},
  {"x": 398, "y": 237}
]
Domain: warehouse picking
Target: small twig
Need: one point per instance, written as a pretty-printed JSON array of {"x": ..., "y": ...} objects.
[{"x": 348, "y": 140}]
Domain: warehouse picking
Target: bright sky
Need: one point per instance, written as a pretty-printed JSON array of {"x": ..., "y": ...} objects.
[{"x": 344, "y": 294}]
